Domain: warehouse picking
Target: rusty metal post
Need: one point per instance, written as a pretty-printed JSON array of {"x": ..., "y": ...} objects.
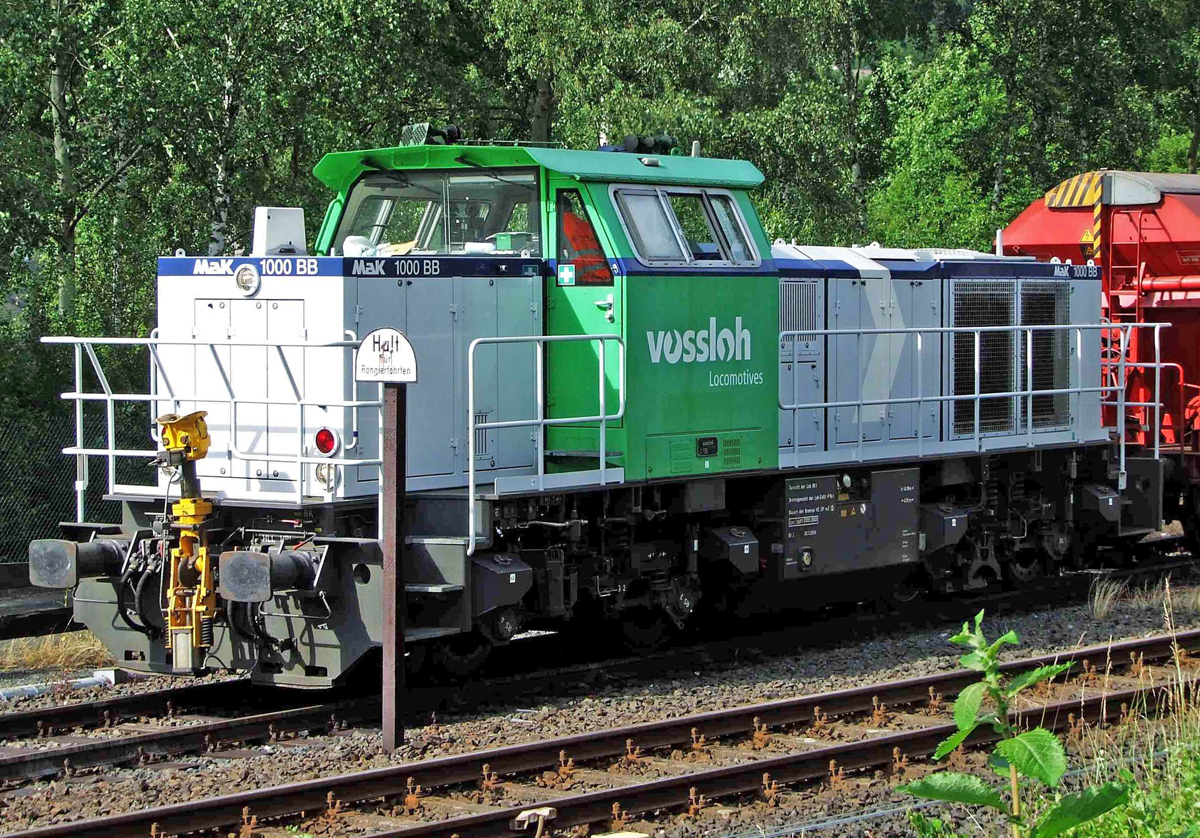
[{"x": 395, "y": 409}]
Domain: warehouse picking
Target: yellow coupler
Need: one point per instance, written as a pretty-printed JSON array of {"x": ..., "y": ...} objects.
[{"x": 191, "y": 598}]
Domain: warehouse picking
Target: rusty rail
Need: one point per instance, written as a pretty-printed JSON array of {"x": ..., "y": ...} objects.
[{"x": 311, "y": 795}]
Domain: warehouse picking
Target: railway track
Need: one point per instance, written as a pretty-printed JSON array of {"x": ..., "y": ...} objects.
[
  {"x": 137, "y": 742},
  {"x": 751, "y": 749}
]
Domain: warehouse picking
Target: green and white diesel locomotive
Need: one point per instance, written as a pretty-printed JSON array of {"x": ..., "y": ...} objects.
[{"x": 633, "y": 410}]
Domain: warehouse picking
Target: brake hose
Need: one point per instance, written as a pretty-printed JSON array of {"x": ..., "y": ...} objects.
[
  {"x": 152, "y": 631},
  {"x": 122, "y": 608}
]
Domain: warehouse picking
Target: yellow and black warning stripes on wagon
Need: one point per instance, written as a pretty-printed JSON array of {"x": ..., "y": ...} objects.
[
  {"x": 1097, "y": 214},
  {"x": 1080, "y": 191}
]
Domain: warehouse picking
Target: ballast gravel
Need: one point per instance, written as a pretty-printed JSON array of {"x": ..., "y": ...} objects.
[{"x": 571, "y": 710}]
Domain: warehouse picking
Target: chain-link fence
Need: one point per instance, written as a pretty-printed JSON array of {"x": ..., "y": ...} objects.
[{"x": 37, "y": 483}]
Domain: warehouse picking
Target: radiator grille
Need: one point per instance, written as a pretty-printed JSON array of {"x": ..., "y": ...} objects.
[
  {"x": 1046, "y": 303},
  {"x": 798, "y": 308},
  {"x": 984, "y": 303}
]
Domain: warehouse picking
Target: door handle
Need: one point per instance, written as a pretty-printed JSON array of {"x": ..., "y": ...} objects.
[{"x": 606, "y": 305}]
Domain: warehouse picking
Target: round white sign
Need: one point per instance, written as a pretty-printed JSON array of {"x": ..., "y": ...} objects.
[{"x": 386, "y": 355}]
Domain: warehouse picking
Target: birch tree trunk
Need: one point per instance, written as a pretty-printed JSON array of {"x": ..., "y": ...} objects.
[
  {"x": 1194, "y": 146},
  {"x": 222, "y": 190},
  {"x": 60, "y": 120},
  {"x": 543, "y": 111}
]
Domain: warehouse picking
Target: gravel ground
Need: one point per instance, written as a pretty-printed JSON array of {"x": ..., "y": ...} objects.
[
  {"x": 64, "y": 694},
  {"x": 883, "y": 658},
  {"x": 22, "y": 677}
]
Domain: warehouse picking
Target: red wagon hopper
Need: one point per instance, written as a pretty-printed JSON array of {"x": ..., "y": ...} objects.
[{"x": 1143, "y": 230}]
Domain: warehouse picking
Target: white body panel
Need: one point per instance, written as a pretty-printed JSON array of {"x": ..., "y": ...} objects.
[{"x": 303, "y": 303}]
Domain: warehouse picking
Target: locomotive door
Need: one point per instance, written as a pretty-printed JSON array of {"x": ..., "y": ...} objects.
[
  {"x": 916, "y": 304},
  {"x": 859, "y": 365},
  {"x": 583, "y": 298},
  {"x": 211, "y": 321}
]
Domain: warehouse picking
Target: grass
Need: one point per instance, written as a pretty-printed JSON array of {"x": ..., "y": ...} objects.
[
  {"x": 1108, "y": 594},
  {"x": 67, "y": 652},
  {"x": 1157, "y": 750}
]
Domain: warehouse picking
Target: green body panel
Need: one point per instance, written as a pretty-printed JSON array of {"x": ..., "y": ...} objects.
[
  {"x": 675, "y": 405},
  {"x": 729, "y": 403}
]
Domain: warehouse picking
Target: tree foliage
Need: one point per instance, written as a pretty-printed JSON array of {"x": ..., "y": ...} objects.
[{"x": 135, "y": 127}]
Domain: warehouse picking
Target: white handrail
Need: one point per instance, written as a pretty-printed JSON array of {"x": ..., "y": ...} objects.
[
  {"x": 1028, "y": 393},
  {"x": 540, "y": 421},
  {"x": 82, "y": 453}
]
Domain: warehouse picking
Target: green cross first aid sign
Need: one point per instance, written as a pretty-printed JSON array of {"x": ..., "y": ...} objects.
[{"x": 566, "y": 274}]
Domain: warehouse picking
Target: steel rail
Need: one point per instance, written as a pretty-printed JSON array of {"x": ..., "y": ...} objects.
[
  {"x": 197, "y": 737},
  {"x": 748, "y": 777},
  {"x": 25, "y": 723},
  {"x": 277, "y": 801}
]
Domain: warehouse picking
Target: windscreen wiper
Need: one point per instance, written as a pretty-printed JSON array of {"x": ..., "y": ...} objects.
[
  {"x": 462, "y": 158},
  {"x": 393, "y": 174}
]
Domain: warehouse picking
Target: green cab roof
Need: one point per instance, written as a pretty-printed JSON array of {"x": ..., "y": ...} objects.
[{"x": 339, "y": 170}]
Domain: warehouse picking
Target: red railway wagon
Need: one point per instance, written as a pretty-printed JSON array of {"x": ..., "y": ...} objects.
[{"x": 1143, "y": 230}]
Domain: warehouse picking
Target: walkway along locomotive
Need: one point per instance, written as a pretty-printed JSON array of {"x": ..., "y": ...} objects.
[{"x": 633, "y": 408}]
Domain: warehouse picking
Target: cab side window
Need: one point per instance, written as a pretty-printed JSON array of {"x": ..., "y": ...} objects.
[
  {"x": 684, "y": 226},
  {"x": 697, "y": 231},
  {"x": 578, "y": 243}
]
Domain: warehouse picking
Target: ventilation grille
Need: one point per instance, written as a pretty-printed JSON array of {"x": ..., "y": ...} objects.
[
  {"x": 984, "y": 303},
  {"x": 683, "y": 456},
  {"x": 731, "y": 451},
  {"x": 799, "y": 308},
  {"x": 481, "y": 437},
  {"x": 1045, "y": 304}
]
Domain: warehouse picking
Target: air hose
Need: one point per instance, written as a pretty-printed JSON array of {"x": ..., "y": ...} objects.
[
  {"x": 122, "y": 606},
  {"x": 152, "y": 631}
]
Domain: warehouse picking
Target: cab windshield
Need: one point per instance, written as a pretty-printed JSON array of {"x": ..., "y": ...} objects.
[{"x": 400, "y": 213}]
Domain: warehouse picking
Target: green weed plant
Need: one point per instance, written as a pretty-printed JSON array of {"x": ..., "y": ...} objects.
[{"x": 1032, "y": 755}]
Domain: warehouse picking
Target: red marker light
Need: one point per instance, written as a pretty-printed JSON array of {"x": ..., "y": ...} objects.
[{"x": 326, "y": 441}]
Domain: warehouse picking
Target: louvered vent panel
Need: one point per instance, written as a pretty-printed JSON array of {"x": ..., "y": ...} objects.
[
  {"x": 798, "y": 308},
  {"x": 1043, "y": 304},
  {"x": 481, "y": 437},
  {"x": 984, "y": 303}
]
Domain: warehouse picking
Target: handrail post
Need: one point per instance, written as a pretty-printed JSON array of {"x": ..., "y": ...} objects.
[
  {"x": 1079, "y": 383},
  {"x": 1158, "y": 390},
  {"x": 471, "y": 446},
  {"x": 1121, "y": 372},
  {"x": 81, "y": 460},
  {"x": 540, "y": 454},
  {"x": 977, "y": 365},
  {"x": 795, "y": 401},
  {"x": 110, "y": 416},
  {"x": 1029, "y": 386},
  {"x": 920, "y": 395},
  {"x": 603, "y": 411},
  {"x": 861, "y": 386}
]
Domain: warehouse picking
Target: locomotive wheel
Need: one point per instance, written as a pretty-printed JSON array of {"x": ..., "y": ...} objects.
[
  {"x": 643, "y": 629},
  {"x": 461, "y": 655},
  {"x": 1026, "y": 566},
  {"x": 1190, "y": 521}
]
